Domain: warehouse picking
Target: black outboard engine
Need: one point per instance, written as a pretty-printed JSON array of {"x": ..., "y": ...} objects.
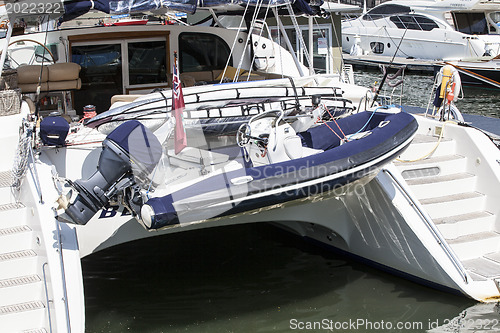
[{"x": 130, "y": 150}]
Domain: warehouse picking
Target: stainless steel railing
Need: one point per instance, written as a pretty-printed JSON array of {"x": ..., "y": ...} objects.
[
  {"x": 47, "y": 296},
  {"x": 34, "y": 174},
  {"x": 63, "y": 276}
]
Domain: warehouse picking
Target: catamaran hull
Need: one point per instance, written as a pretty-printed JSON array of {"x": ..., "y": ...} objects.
[{"x": 366, "y": 226}]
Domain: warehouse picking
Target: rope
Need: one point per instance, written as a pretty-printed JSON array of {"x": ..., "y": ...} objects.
[
  {"x": 368, "y": 121},
  {"x": 39, "y": 84},
  {"x": 331, "y": 129},
  {"x": 234, "y": 43},
  {"x": 432, "y": 150},
  {"x": 21, "y": 160},
  {"x": 335, "y": 121}
]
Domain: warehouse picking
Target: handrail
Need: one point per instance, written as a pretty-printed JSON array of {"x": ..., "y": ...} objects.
[
  {"x": 430, "y": 225},
  {"x": 47, "y": 296},
  {"x": 63, "y": 276},
  {"x": 34, "y": 174}
]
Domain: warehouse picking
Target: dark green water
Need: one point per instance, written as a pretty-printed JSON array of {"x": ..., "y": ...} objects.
[
  {"x": 248, "y": 278},
  {"x": 256, "y": 278}
]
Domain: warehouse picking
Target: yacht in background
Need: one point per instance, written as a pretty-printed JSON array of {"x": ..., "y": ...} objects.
[
  {"x": 425, "y": 29},
  {"x": 481, "y": 72}
]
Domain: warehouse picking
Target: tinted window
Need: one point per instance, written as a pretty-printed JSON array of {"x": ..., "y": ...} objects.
[
  {"x": 471, "y": 23},
  {"x": 101, "y": 75},
  {"x": 202, "y": 52},
  {"x": 147, "y": 62},
  {"x": 377, "y": 47},
  {"x": 413, "y": 22},
  {"x": 385, "y": 10},
  {"x": 495, "y": 16},
  {"x": 41, "y": 53}
]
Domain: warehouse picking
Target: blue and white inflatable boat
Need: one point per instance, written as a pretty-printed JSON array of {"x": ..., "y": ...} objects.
[{"x": 273, "y": 160}]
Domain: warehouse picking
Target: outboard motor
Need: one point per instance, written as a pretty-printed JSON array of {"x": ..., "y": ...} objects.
[{"x": 130, "y": 151}]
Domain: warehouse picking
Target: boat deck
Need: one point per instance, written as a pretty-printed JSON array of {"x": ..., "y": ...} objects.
[
  {"x": 488, "y": 124},
  {"x": 367, "y": 61}
]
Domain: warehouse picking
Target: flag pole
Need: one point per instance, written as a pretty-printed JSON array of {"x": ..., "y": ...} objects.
[{"x": 180, "y": 140}]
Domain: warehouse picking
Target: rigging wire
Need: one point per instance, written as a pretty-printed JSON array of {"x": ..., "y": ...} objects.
[
  {"x": 234, "y": 43},
  {"x": 299, "y": 35},
  {"x": 377, "y": 93},
  {"x": 339, "y": 41},
  {"x": 249, "y": 36}
]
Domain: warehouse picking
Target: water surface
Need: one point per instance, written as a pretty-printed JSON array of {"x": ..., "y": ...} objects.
[{"x": 249, "y": 278}]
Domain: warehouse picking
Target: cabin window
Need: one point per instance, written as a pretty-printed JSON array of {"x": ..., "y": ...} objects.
[
  {"x": 101, "y": 74},
  {"x": 118, "y": 66},
  {"x": 377, "y": 47},
  {"x": 147, "y": 62},
  {"x": 385, "y": 10},
  {"x": 42, "y": 56},
  {"x": 471, "y": 23},
  {"x": 202, "y": 52},
  {"x": 414, "y": 22}
]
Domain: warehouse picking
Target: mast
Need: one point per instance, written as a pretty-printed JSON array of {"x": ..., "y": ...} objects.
[
  {"x": 287, "y": 41},
  {"x": 311, "y": 46}
]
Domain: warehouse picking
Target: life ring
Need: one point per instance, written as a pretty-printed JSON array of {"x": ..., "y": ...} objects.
[
  {"x": 450, "y": 83},
  {"x": 451, "y": 112}
]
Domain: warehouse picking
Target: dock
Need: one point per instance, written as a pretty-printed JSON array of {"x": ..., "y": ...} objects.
[{"x": 372, "y": 61}]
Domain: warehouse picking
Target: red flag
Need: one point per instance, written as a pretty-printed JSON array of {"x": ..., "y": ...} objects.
[{"x": 177, "y": 109}]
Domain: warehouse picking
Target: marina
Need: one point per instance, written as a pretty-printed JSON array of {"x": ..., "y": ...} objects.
[
  {"x": 374, "y": 61},
  {"x": 199, "y": 164},
  {"x": 299, "y": 281}
]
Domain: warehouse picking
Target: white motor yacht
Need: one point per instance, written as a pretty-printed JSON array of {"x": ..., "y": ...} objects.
[{"x": 425, "y": 29}]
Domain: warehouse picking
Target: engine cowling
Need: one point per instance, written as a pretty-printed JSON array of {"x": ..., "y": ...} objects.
[{"x": 130, "y": 151}]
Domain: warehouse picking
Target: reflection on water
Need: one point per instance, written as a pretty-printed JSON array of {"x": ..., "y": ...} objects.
[
  {"x": 250, "y": 278},
  {"x": 418, "y": 87},
  {"x": 477, "y": 318}
]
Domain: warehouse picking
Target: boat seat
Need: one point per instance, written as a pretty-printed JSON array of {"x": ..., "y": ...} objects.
[
  {"x": 119, "y": 100},
  {"x": 187, "y": 80},
  {"x": 191, "y": 157},
  {"x": 190, "y": 79},
  {"x": 56, "y": 77},
  {"x": 294, "y": 148},
  {"x": 124, "y": 98}
]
